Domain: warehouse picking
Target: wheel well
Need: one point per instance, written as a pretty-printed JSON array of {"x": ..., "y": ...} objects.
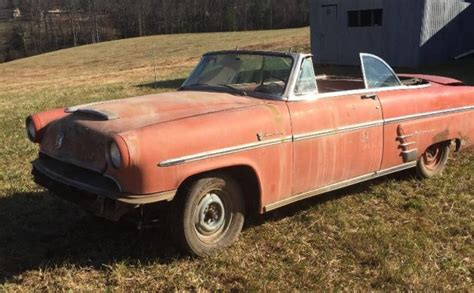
[
  {"x": 455, "y": 141},
  {"x": 244, "y": 175},
  {"x": 458, "y": 144}
]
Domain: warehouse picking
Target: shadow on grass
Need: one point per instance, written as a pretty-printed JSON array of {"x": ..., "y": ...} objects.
[
  {"x": 41, "y": 231},
  {"x": 163, "y": 84}
]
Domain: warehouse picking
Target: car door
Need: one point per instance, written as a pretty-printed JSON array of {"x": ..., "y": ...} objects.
[
  {"x": 379, "y": 76},
  {"x": 336, "y": 136}
]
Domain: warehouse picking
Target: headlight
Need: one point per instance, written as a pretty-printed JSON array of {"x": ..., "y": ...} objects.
[
  {"x": 30, "y": 129},
  {"x": 115, "y": 156}
]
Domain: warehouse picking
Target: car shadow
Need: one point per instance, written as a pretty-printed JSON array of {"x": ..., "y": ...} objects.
[
  {"x": 38, "y": 230},
  {"x": 163, "y": 84}
]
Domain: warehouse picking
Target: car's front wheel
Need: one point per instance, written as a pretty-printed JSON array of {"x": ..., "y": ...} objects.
[
  {"x": 210, "y": 215},
  {"x": 433, "y": 161}
]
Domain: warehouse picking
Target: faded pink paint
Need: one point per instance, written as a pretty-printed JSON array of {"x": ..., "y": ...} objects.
[{"x": 156, "y": 128}]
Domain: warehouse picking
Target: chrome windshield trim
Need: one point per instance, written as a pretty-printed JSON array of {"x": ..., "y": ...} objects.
[
  {"x": 296, "y": 63},
  {"x": 428, "y": 114},
  {"x": 224, "y": 151}
]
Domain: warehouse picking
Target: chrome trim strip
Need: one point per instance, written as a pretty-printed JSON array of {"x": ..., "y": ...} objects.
[
  {"x": 407, "y": 144},
  {"x": 259, "y": 144},
  {"x": 410, "y": 151},
  {"x": 336, "y": 186},
  {"x": 428, "y": 114},
  {"x": 407, "y": 135},
  {"x": 224, "y": 151},
  {"x": 348, "y": 128},
  {"x": 309, "y": 135}
]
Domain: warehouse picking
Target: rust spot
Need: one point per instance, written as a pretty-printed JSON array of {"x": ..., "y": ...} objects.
[
  {"x": 277, "y": 117},
  {"x": 400, "y": 132},
  {"x": 442, "y": 136}
]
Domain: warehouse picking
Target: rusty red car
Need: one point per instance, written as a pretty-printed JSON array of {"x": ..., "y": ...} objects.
[{"x": 248, "y": 131}]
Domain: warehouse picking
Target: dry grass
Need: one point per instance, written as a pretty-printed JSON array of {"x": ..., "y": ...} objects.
[{"x": 395, "y": 233}]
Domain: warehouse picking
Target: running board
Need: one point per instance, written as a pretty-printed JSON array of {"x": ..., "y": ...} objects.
[{"x": 336, "y": 186}]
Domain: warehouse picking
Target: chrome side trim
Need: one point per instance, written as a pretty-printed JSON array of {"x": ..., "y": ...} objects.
[
  {"x": 407, "y": 144},
  {"x": 428, "y": 114},
  {"x": 225, "y": 151},
  {"x": 407, "y": 135},
  {"x": 309, "y": 135},
  {"x": 348, "y": 128},
  {"x": 410, "y": 155},
  {"x": 259, "y": 144},
  {"x": 336, "y": 186}
]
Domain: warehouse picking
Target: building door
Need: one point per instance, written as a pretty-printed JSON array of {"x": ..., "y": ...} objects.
[{"x": 328, "y": 34}]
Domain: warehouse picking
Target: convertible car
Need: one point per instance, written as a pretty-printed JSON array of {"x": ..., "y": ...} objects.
[{"x": 247, "y": 132}]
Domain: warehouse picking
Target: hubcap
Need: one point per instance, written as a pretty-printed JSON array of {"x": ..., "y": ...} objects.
[{"x": 210, "y": 216}]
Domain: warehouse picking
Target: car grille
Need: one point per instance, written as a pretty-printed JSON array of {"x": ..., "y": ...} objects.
[{"x": 78, "y": 174}]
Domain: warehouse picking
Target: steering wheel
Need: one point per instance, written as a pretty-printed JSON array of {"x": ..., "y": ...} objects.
[
  {"x": 270, "y": 88},
  {"x": 272, "y": 78}
]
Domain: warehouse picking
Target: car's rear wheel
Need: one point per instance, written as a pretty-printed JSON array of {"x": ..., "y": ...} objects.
[
  {"x": 433, "y": 161},
  {"x": 210, "y": 215}
]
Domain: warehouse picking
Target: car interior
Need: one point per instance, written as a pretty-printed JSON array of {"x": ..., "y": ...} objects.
[{"x": 334, "y": 83}]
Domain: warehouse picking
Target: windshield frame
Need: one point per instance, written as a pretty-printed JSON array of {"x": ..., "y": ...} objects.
[{"x": 283, "y": 96}]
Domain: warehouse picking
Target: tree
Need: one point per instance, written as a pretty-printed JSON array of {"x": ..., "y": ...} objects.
[{"x": 77, "y": 22}]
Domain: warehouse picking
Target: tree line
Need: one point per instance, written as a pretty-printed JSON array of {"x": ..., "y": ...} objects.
[{"x": 47, "y": 25}]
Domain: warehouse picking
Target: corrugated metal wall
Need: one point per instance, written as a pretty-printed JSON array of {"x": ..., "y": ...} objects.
[
  {"x": 414, "y": 32},
  {"x": 447, "y": 30},
  {"x": 401, "y": 26}
]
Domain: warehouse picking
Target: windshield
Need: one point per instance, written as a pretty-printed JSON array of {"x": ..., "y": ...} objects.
[{"x": 242, "y": 73}]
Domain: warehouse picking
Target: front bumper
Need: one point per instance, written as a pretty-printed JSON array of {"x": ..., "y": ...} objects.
[{"x": 52, "y": 173}]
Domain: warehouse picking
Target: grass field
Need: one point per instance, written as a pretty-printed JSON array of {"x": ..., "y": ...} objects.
[{"x": 392, "y": 233}]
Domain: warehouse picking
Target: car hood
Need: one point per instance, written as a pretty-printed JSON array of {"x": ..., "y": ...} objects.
[
  {"x": 144, "y": 110},
  {"x": 81, "y": 137}
]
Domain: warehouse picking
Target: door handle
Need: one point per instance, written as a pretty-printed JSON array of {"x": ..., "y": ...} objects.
[{"x": 369, "y": 96}]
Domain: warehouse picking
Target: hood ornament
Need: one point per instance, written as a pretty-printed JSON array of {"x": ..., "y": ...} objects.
[{"x": 59, "y": 140}]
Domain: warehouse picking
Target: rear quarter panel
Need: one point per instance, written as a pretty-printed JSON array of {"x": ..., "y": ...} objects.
[{"x": 445, "y": 118}]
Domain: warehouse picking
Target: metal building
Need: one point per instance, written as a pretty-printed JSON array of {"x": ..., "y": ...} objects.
[{"x": 406, "y": 33}]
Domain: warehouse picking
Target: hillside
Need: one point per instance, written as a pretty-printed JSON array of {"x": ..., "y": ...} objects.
[{"x": 392, "y": 233}]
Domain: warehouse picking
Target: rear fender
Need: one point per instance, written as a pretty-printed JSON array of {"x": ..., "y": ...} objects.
[{"x": 436, "y": 79}]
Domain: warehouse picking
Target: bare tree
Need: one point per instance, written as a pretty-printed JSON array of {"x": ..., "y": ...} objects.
[{"x": 76, "y": 22}]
